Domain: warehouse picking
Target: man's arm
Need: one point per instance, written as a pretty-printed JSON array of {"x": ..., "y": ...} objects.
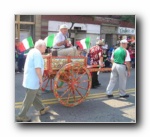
[
  {"x": 127, "y": 61},
  {"x": 46, "y": 56},
  {"x": 61, "y": 43},
  {"x": 101, "y": 60},
  {"x": 39, "y": 73},
  {"x": 128, "y": 65}
]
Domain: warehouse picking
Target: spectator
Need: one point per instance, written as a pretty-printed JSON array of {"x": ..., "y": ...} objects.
[
  {"x": 132, "y": 56},
  {"x": 105, "y": 46},
  {"x": 106, "y": 59},
  {"x": 16, "y": 54},
  {"x": 21, "y": 58}
]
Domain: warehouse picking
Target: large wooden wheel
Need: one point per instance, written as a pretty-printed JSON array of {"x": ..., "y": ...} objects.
[{"x": 72, "y": 84}]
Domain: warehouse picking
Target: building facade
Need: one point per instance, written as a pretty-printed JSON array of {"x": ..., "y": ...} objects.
[{"x": 81, "y": 26}]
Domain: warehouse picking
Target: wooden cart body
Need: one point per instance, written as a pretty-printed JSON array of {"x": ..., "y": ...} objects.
[{"x": 69, "y": 78}]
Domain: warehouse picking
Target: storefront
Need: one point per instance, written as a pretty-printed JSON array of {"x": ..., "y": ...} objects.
[
  {"x": 78, "y": 31},
  {"x": 126, "y": 33},
  {"x": 109, "y": 33}
]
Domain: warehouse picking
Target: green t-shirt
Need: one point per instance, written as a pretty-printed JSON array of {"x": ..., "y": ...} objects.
[{"x": 119, "y": 55}]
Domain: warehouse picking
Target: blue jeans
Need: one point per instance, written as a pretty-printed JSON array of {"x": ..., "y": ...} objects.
[{"x": 20, "y": 64}]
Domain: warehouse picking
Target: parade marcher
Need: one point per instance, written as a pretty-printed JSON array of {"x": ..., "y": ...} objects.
[
  {"x": 96, "y": 58},
  {"x": 62, "y": 46},
  {"x": 32, "y": 81},
  {"x": 120, "y": 69}
]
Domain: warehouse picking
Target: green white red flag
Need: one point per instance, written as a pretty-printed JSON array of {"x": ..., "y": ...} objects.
[
  {"x": 26, "y": 44},
  {"x": 84, "y": 43},
  {"x": 49, "y": 40}
]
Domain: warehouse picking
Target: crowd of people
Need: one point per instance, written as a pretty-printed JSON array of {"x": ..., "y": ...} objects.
[{"x": 116, "y": 57}]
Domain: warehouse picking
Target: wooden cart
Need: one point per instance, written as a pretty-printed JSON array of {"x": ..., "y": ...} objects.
[{"x": 69, "y": 78}]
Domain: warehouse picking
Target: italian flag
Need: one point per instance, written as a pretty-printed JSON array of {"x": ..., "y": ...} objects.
[
  {"x": 84, "y": 43},
  {"x": 49, "y": 40},
  {"x": 26, "y": 44}
]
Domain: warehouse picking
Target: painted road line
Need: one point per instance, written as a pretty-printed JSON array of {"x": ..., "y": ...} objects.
[
  {"x": 91, "y": 96},
  {"x": 96, "y": 94}
]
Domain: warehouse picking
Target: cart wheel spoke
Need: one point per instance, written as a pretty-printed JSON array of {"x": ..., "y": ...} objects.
[
  {"x": 79, "y": 93},
  {"x": 65, "y": 92},
  {"x": 45, "y": 79},
  {"x": 84, "y": 81},
  {"x": 61, "y": 87},
  {"x": 45, "y": 85},
  {"x": 82, "y": 88},
  {"x": 81, "y": 76}
]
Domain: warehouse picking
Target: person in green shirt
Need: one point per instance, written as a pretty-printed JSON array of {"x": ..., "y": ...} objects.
[{"x": 120, "y": 69}]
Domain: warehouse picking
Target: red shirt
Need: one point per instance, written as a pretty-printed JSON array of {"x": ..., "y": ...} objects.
[
  {"x": 132, "y": 53},
  {"x": 95, "y": 54}
]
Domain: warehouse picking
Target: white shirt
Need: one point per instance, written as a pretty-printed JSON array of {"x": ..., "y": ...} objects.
[
  {"x": 105, "y": 46},
  {"x": 34, "y": 60},
  {"x": 59, "y": 38}
]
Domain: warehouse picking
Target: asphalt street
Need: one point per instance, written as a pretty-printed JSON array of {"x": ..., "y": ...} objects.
[{"x": 97, "y": 108}]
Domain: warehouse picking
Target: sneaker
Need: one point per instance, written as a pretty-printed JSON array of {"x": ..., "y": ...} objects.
[
  {"x": 125, "y": 96},
  {"x": 23, "y": 119},
  {"x": 43, "y": 111},
  {"x": 110, "y": 96}
]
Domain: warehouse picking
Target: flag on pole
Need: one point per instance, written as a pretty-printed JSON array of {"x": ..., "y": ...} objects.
[
  {"x": 26, "y": 44},
  {"x": 84, "y": 43},
  {"x": 49, "y": 40}
]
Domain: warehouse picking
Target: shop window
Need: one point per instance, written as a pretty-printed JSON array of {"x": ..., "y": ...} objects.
[
  {"x": 29, "y": 18},
  {"x": 24, "y": 26}
]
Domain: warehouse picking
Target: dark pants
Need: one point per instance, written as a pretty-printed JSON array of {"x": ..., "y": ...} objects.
[
  {"x": 20, "y": 64},
  {"x": 95, "y": 81},
  {"x": 107, "y": 64}
]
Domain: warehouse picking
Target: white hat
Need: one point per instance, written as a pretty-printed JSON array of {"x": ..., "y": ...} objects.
[
  {"x": 124, "y": 41},
  {"x": 63, "y": 26}
]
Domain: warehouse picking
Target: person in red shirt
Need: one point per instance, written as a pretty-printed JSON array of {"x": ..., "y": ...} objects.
[
  {"x": 132, "y": 56},
  {"x": 96, "y": 57}
]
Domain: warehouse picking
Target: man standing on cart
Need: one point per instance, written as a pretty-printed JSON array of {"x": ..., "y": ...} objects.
[
  {"x": 96, "y": 56},
  {"x": 62, "y": 46}
]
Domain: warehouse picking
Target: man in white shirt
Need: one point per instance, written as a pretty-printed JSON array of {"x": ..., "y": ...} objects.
[
  {"x": 62, "y": 45},
  {"x": 32, "y": 81}
]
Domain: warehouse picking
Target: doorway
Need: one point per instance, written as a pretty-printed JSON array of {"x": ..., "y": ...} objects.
[{"x": 109, "y": 40}]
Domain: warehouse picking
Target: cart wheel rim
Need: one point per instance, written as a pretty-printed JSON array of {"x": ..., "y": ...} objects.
[{"x": 76, "y": 86}]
